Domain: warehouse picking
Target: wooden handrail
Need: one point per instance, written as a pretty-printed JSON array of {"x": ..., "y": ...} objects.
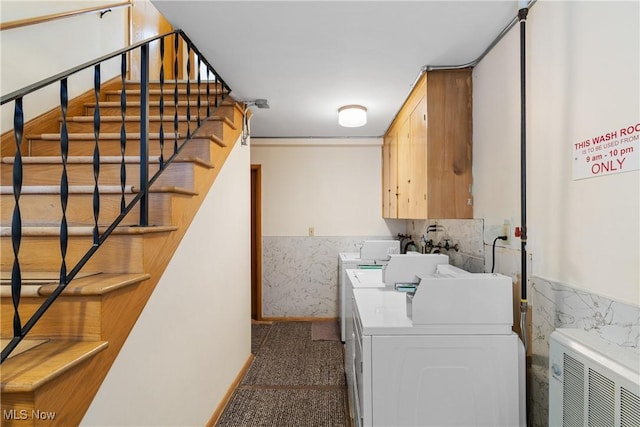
[{"x": 46, "y": 18}]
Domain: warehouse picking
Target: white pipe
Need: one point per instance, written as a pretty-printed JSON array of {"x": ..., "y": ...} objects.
[{"x": 514, "y": 21}]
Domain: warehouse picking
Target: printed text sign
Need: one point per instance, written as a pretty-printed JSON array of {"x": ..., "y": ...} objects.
[{"x": 610, "y": 152}]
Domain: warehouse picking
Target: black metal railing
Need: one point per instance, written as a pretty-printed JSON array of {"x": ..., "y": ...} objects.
[{"x": 140, "y": 198}]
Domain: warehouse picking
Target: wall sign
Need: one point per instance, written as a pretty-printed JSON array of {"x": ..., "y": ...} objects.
[{"x": 611, "y": 152}]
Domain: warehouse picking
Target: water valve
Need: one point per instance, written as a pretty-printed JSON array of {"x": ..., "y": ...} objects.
[{"x": 518, "y": 232}]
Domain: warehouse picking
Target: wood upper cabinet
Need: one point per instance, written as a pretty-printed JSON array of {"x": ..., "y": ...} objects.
[{"x": 427, "y": 150}]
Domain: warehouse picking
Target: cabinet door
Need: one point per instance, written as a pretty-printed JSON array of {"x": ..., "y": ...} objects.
[
  {"x": 386, "y": 191},
  {"x": 389, "y": 176},
  {"x": 418, "y": 165},
  {"x": 393, "y": 177},
  {"x": 404, "y": 169}
]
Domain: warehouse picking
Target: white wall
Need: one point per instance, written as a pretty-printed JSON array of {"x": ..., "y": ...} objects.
[
  {"x": 582, "y": 81},
  {"x": 33, "y": 53},
  {"x": 332, "y": 185},
  {"x": 194, "y": 335}
]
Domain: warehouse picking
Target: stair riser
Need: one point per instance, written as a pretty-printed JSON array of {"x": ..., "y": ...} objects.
[
  {"x": 133, "y": 126},
  {"x": 154, "y": 110},
  {"x": 168, "y": 96},
  {"x": 228, "y": 111},
  {"x": 39, "y": 147},
  {"x": 170, "y": 85},
  {"x": 46, "y": 209},
  {"x": 198, "y": 147},
  {"x": 179, "y": 174},
  {"x": 60, "y": 321},
  {"x": 119, "y": 254}
]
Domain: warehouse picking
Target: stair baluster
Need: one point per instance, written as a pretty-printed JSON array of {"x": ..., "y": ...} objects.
[
  {"x": 176, "y": 46},
  {"x": 123, "y": 130},
  {"x": 96, "y": 154},
  {"x": 199, "y": 122},
  {"x": 188, "y": 91},
  {"x": 64, "y": 179},
  {"x": 144, "y": 135},
  {"x": 162, "y": 103},
  {"x": 16, "y": 222}
]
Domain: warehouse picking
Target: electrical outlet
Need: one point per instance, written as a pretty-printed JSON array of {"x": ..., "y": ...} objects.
[
  {"x": 312, "y": 232},
  {"x": 506, "y": 231}
]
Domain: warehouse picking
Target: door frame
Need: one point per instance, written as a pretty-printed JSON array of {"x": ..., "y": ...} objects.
[{"x": 256, "y": 242}]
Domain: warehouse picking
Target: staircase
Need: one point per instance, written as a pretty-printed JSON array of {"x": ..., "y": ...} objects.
[{"x": 54, "y": 373}]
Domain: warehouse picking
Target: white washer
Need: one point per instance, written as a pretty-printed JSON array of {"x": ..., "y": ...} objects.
[
  {"x": 356, "y": 279},
  {"x": 415, "y": 375},
  {"x": 347, "y": 261}
]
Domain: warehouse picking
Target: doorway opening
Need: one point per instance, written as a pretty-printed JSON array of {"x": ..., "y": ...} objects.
[{"x": 256, "y": 242}]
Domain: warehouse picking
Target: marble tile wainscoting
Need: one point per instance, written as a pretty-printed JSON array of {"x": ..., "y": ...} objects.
[
  {"x": 300, "y": 274},
  {"x": 465, "y": 233},
  {"x": 557, "y": 305}
]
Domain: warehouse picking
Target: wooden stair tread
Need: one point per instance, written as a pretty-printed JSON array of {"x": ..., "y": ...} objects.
[
  {"x": 151, "y": 104},
  {"x": 103, "y": 160},
  {"x": 168, "y": 91},
  {"x": 226, "y": 120},
  {"x": 102, "y": 136},
  {"x": 24, "y": 345},
  {"x": 196, "y": 160},
  {"x": 219, "y": 141},
  {"x": 99, "y": 284},
  {"x": 79, "y": 159},
  {"x": 89, "y": 284},
  {"x": 88, "y": 189},
  {"x": 33, "y": 368},
  {"x": 155, "y": 118},
  {"x": 28, "y": 231},
  {"x": 166, "y": 81},
  {"x": 73, "y": 189},
  {"x": 38, "y": 277}
]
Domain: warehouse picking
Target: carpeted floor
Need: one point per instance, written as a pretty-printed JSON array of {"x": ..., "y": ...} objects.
[
  {"x": 293, "y": 381},
  {"x": 259, "y": 332}
]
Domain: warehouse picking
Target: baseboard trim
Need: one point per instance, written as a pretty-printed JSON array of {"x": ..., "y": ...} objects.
[
  {"x": 297, "y": 319},
  {"x": 227, "y": 396}
]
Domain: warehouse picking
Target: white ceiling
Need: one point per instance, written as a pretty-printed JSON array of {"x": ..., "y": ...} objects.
[{"x": 308, "y": 58}]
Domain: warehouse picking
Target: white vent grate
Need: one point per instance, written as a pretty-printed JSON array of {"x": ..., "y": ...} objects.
[
  {"x": 602, "y": 400},
  {"x": 592, "y": 383},
  {"x": 629, "y": 408},
  {"x": 573, "y": 393}
]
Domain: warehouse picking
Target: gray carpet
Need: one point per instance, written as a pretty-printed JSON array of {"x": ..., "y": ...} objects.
[
  {"x": 258, "y": 333},
  {"x": 285, "y": 407},
  {"x": 289, "y": 357},
  {"x": 292, "y": 382}
]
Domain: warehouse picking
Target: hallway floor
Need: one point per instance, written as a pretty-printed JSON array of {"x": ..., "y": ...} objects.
[{"x": 293, "y": 381}]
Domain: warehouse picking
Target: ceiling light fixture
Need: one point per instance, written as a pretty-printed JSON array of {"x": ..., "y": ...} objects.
[{"x": 352, "y": 116}]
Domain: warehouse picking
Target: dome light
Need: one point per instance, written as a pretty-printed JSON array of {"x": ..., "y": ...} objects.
[{"x": 352, "y": 116}]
